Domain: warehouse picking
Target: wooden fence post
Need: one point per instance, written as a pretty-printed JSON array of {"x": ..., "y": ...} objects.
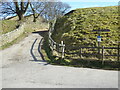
[
  {"x": 63, "y": 49},
  {"x": 80, "y": 52},
  {"x": 118, "y": 52},
  {"x": 99, "y": 56},
  {"x": 50, "y": 43},
  {"x": 54, "y": 46},
  {"x": 54, "y": 49},
  {"x": 49, "y": 40},
  {"x": 102, "y": 54}
]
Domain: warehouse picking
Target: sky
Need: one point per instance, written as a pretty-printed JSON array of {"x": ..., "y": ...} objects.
[{"x": 90, "y": 3}]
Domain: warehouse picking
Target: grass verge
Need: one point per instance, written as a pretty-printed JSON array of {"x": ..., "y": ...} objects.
[
  {"x": 46, "y": 50},
  {"x": 18, "y": 39}
]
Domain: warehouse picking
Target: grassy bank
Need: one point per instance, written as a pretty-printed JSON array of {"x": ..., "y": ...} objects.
[
  {"x": 46, "y": 51},
  {"x": 76, "y": 29}
]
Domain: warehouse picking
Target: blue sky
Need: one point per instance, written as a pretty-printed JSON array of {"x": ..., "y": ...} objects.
[
  {"x": 75, "y": 5},
  {"x": 90, "y": 3}
]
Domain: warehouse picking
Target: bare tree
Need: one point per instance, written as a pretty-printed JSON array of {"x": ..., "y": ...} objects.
[
  {"x": 55, "y": 10},
  {"x": 37, "y": 9},
  {"x": 49, "y": 9},
  {"x": 15, "y": 7}
]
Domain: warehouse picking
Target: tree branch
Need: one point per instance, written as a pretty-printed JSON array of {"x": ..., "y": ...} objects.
[
  {"x": 22, "y": 5},
  {"x": 42, "y": 10},
  {"x": 11, "y": 8},
  {"x": 27, "y": 5},
  {"x": 16, "y": 6},
  {"x": 33, "y": 10}
]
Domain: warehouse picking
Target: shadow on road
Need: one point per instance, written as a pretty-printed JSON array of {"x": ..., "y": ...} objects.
[
  {"x": 41, "y": 33},
  {"x": 31, "y": 51},
  {"x": 39, "y": 49}
]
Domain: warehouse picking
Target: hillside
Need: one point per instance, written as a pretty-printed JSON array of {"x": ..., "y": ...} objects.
[
  {"x": 19, "y": 29},
  {"x": 75, "y": 28}
]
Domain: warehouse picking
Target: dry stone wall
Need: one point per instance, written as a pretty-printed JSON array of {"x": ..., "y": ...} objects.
[{"x": 10, "y": 36}]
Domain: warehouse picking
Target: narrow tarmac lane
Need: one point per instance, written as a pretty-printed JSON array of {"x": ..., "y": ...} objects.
[{"x": 23, "y": 67}]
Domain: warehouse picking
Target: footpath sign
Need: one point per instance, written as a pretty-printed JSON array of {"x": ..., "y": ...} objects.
[
  {"x": 99, "y": 31},
  {"x": 99, "y": 38}
]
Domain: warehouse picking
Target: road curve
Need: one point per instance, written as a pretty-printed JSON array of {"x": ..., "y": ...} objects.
[{"x": 24, "y": 67}]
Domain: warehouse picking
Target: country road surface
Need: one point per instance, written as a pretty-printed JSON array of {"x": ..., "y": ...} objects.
[{"x": 23, "y": 67}]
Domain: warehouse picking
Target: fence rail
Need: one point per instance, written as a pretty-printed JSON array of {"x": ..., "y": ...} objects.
[
  {"x": 59, "y": 48},
  {"x": 56, "y": 47},
  {"x": 101, "y": 55},
  {"x": 96, "y": 47}
]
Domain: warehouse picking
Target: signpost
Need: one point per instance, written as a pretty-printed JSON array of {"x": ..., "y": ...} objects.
[
  {"x": 99, "y": 37},
  {"x": 99, "y": 32}
]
